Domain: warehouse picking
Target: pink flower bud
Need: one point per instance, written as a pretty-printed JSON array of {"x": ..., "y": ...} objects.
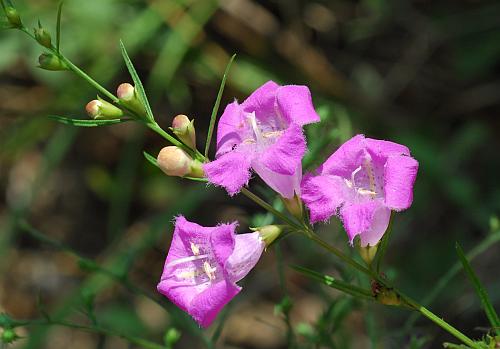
[
  {"x": 174, "y": 161},
  {"x": 92, "y": 108},
  {"x": 125, "y": 91},
  {"x": 101, "y": 109},
  {"x": 128, "y": 96},
  {"x": 183, "y": 128}
]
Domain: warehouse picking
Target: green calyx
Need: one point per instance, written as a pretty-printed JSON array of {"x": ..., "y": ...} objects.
[
  {"x": 43, "y": 36},
  {"x": 49, "y": 61},
  {"x": 13, "y": 17}
]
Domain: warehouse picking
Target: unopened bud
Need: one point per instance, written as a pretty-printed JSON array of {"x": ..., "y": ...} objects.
[
  {"x": 269, "y": 233},
  {"x": 171, "y": 337},
  {"x": 183, "y": 128},
  {"x": 43, "y": 37},
  {"x": 294, "y": 206},
  {"x": 176, "y": 162},
  {"x": 8, "y": 336},
  {"x": 13, "y": 17},
  {"x": 128, "y": 96},
  {"x": 48, "y": 61},
  {"x": 101, "y": 109},
  {"x": 367, "y": 252}
]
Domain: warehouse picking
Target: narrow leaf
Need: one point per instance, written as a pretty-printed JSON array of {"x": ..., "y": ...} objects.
[
  {"x": 150, "y": 158},
  {"x": 58, "y": 26},
  {"x": 137, "y": 82},
  {"x": 216, "y": 106},
  {"x": 85, "y": 122},
  {"x": 334, "y": 283},
  {"x": 480, "y": 290}
]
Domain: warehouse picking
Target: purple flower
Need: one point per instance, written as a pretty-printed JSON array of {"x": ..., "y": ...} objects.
[
  {"x": 203, "y": 266},
  {"x": 362, "y": 182},
  {"x": 264, "y": 133}
]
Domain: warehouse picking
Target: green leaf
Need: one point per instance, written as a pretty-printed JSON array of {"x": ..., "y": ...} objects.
[
  {"x": 328, "y": 280},
  {"x": 137, "y": 83},
  {"x": 150, "y": 158},
  {"x": 480, "y": 290},
  {"x": 58, "y": 26},
  {"x": 86, "y": 122},
  {"x": 216, "y": 106}
]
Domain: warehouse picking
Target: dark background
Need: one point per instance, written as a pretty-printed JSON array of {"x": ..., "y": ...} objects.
[{"x": 422, "y": 73}]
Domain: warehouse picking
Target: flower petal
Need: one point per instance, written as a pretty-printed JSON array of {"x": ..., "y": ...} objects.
[
  {"x": 222, "y": 242},
  {"x": 261, "y": 101},
  {"x": 185, "y": 232},
  {"x": 400, "y": 173},
  {"x": 368, "y": 219},
  {"x": 229, "y": 128},
  {"x": 381, "y": 150},
  {"x": 295, "y": 104},
  {"x": 284, "y": 155},
  {"x": 231, "y": 171},
  {"x": 210, "y": 302},
  {"x": 285, "y": 185},
  {"x": 247, "y": 251},
  {"x": 323, "y": 195},
  {"x": 346, "y": 158}
]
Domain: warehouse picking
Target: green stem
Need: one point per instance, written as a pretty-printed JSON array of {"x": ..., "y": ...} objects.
[
  {"x": 269, "y": 208},
  {"x": 440, "y": 322},
  {"x": 311, "y": 235},
  {"x": 144, "y": 343},
  {"x": 407, "y": 300}
]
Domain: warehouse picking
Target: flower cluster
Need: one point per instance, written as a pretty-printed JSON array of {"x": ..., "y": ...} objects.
[{"x": 361, "y": 183}]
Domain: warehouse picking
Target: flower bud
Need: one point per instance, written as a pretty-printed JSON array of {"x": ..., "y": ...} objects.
[
  {"x": 43, "y": 37},
  {"x": 367, "y": 252},
  {"x": 48, "y": 61},
  {"x": 101, "y": 109},
  {"x": 8, "y": 336},
  {"x": 128, "y": 96},
  {"x": 171, "y": 337},
  {"x": 269, "y": 233},
  {"x": 294, "y": 206},
  {"x": 176, "y": 162},
  {"x": 183, "y": 128},
  {"x": 13, "y": 17}
]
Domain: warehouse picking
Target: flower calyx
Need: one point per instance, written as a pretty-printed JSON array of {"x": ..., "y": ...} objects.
[{"x": 100, "y": 109}]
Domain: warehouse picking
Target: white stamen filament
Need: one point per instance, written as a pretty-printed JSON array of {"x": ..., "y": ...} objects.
[
  {"x": 255, "y": 128},
  {"x": 186, "y": 259}
]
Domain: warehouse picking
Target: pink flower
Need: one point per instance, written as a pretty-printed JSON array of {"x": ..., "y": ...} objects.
[
  {"x": 362, "y": 182},
  {"x": 264, "y": 133},
  {"x": 203, "y": 266}
]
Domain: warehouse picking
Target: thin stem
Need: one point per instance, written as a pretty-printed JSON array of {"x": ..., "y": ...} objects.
[
  {"x": 440, "y": 322},
  {"x": 269, "y": 208},
  {"x": 407, "y": 300},
  {"x": 144, "y": 343},
  {"x": 311, "y": 235}
]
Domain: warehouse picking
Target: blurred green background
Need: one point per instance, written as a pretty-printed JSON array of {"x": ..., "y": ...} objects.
[{"x": 422, "y": 73}]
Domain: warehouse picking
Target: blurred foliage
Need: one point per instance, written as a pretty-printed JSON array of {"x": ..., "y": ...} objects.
[{"x": 422, "y": 73}]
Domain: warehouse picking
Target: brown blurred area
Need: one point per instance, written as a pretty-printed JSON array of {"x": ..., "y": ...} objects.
[{"x": 423, "y": 73}]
